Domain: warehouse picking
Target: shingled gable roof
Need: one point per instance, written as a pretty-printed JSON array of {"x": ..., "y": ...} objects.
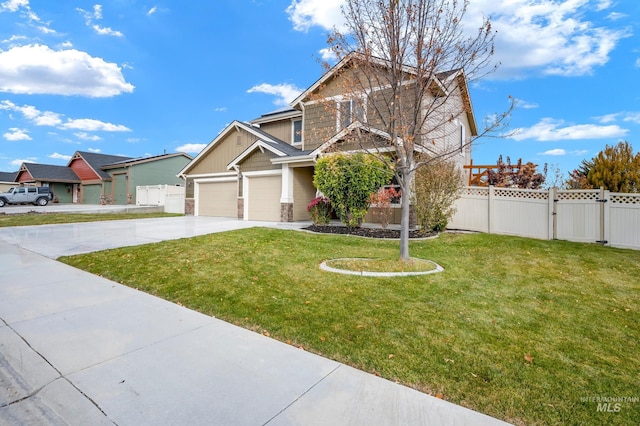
[
  {"x": 49, "y": 173},
  {"x": 279, "y": 114},
  {"x": 264, "y": 139},
  {"x": 439, "y": 79},
  {"x": 97, "y": 161},
  {"x": 8, "y": 176},
  {"x": 141, "y": 160}
]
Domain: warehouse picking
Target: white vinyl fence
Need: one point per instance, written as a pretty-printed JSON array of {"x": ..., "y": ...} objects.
[
  {"x": 171, "y": 197},
  {"x": 595, "y": 216}
]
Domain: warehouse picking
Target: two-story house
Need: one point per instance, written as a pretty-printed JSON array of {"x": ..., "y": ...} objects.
[{"x": 263, "y": 169}]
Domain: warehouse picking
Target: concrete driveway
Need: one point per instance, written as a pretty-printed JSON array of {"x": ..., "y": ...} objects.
[{"x": 77, "y": 349}]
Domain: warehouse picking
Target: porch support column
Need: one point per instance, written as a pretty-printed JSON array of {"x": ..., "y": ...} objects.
[{"x": 286, "y": 198}]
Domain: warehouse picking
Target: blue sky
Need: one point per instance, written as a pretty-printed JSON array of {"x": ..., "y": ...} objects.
[{"x": 139, "y": 78}]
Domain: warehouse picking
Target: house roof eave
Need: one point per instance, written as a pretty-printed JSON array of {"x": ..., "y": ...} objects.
[{"x": 259, "y": 144}]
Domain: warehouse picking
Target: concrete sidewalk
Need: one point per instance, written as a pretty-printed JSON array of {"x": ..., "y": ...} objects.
[{"x": 78, "y": 349}]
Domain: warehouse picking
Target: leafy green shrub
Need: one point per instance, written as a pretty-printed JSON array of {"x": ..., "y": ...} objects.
[
  {"x": 320, "y": 210},
  {"x": 349, "y": 180}
]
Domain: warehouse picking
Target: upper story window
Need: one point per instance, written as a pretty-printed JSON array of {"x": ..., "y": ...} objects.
[
  {"x": 297, "y": 131},
  {"x": 349, "y": 111}
]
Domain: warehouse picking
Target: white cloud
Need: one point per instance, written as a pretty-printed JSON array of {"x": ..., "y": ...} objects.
[
  {"x": 633, "y": 117},
  {"x": 327, "y": 55},
  {"x": 87, "y": 137},
  {"x": 153, "y": 10},
  {"x": 57, "y": 156},
  {"x": 560, "y": 152},
  {"x": 557, "y": 151},
  {"x": 53, "y": 119},
  {"x": 615, "y": 16},
  {"x": 285, "y": 92},
  {"x": 525, "y": 105},
  {"x": 551, "y": 37},
  {"x": 89, "y": 18},
  {"x": 97, "y": 11},
  {"x": 37, "y": 69},
  {"x": 18, "y": 162},
  {"x": 106, "y": 31},
  {"x": 13, "y": 5},
  {"x": 608, "y": 118},
  {"x": 91, "y": 125},
  {"x": 220, "y": 109},
  {"x": 13, "y": 39},
  {"x": 326, "y": 14},
  {"x": 15, "y": 134},
  {"x": 39, "y": 118},
  {"x": 191, "y": 147},
  {"x": 555, "y": 130},
  {"x": 96, "y": 150},
  {"x": 46, "y": 30},
  {"x": 548, "y": 36}
]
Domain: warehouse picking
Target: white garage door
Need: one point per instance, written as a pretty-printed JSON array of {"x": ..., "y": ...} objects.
[
  {"x": 264, "y": 198},
  {"x": 218, "y": 199}
]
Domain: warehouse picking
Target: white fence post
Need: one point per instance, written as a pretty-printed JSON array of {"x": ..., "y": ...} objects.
[
  {"x": 606, "y": 221},
  {"x": 551, "y": 234},
  {"x": 490, "y": 207}
]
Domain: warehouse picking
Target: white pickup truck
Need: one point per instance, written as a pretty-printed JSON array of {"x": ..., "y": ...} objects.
[{"x": 38, "y": 195}]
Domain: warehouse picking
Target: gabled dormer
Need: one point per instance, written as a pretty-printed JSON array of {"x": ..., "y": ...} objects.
[{"x": 285, "y": 124}]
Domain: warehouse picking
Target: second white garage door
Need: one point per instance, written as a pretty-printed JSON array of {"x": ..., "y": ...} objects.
[
  {"x": 218, "y": 199},
  {"x": 264, "y": 198}
]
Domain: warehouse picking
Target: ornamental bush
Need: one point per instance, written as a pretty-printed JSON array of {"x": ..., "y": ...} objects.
[
  {"x": 437, "y": 186},
  {"x": 349, "y": 180},
  {"x": 320, "y": 210},
  {"x": 381, "y": 202}
]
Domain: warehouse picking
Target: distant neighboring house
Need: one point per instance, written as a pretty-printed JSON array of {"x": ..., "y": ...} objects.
[
  {"x": 263, "y": 169},
  {"x": 112, "y": 179},
  {"x": 61, "y": 180},
  {"x": 126, "y": 175},
  {"x": 7, "y": 180},
  {"x": 91, "y": 178},
  {"x": 88, "y": 167}
]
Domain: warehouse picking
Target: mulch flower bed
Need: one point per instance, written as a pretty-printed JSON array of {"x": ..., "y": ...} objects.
[{"x": 365, "y": 232}]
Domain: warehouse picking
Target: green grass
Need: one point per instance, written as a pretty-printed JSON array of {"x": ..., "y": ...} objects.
[
  {"x": 29, "y": 219},
  {"x": 381, "y": 265},
  {"x": 464, "y": 333}
]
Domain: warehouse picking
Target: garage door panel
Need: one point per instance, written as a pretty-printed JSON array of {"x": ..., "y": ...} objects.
[
  {"x": 218, "y": 199},
  {"x": 264, "y": 198}
]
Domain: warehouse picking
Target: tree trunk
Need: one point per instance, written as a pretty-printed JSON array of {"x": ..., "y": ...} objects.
[{"x": 405, "y": 215}]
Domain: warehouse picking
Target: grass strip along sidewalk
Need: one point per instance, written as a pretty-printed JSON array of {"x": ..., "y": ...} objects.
[
  {"x": 31, "y": 219},
  {"x": 528, "y": 331}
]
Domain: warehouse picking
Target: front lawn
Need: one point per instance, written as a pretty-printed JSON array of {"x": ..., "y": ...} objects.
[{"x": 528, "y": 331}]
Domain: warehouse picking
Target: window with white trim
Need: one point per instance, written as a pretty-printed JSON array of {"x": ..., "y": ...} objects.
[
  {"x": 297, "y": 132},
  {"x": 349, "y": 111}
]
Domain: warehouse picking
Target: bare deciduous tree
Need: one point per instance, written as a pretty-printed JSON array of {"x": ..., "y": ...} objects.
[{"x": 409, "y": 65}]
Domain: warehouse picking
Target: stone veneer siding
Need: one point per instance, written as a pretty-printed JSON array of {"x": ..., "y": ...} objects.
[
  {"x": 189, "y": 206},
  {"x": 286, "y": 212},
  {"x": 240, "y": 208}
]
